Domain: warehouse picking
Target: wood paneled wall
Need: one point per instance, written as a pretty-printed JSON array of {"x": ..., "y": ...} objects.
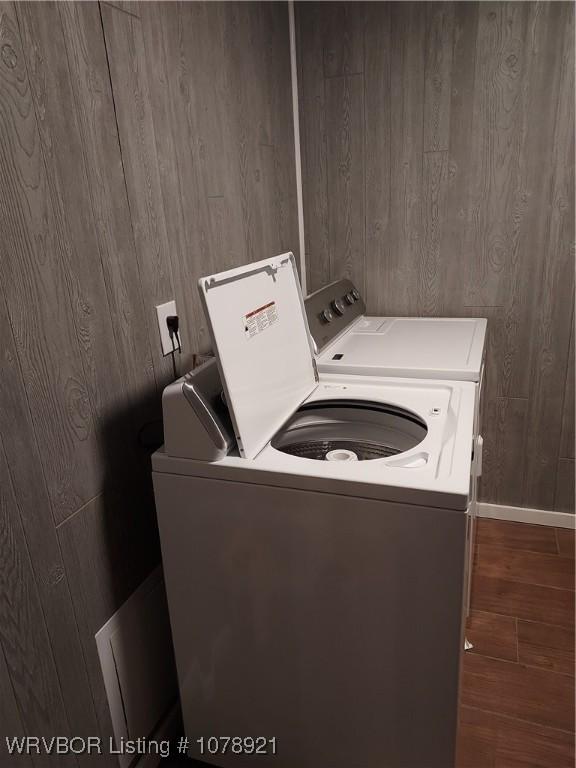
[
  {"x": 438, "y": 173},
  {"x": 141, "y": 146}
]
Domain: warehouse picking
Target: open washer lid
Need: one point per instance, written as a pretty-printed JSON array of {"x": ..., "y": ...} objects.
[{"x": 262, "y": 344}]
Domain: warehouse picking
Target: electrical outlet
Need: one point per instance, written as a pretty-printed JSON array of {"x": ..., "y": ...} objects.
[{"x": 163, "y": 311}]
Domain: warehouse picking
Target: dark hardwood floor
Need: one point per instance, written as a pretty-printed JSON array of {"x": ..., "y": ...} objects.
[{"x": 517, "y": 685}]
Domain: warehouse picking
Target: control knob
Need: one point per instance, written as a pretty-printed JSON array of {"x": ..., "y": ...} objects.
[
  {"x": 338, "y": 306},
  {"x": 355, "y": 293},
  {"x": 349, "y": 298},
  {"x": 327, "y": 315}
]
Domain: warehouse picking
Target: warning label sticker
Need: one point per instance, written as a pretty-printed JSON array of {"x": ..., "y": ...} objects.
[{"x": 259, "y": 319}]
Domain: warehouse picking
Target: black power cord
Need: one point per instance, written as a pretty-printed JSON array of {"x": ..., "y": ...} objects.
[{"x": 173, "y": 325}]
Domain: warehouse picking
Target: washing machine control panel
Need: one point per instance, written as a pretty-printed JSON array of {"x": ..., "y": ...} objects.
[
  {"x": 331, "y": 309},
  {"x": 338, "y": 306}
]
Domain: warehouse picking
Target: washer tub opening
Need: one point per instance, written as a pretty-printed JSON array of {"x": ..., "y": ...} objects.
[{"x": 350, "y": 430}]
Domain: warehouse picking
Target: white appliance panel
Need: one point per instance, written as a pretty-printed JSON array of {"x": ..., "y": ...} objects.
[
  {"x": 262, "y": 344},
  {"x": 443, "y": 479},
  {"x": 425, "y": 347}
]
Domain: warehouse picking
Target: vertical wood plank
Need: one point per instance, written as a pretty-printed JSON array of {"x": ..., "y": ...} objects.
[
  {"x": 37, "y": 294},
  {"x": 343, "y": 42},
  {"x": 107, "y": 552},
  {"x": 167, "y": 73},
  {"x": 128, "y": 6},
  {"x": 126, "y": 58},
  {"x": 568, "y": 418},
  {"x": 25, "y": 470},
  {"x": 432, "y": 266},
  {"x": 493, "y": 230},
  {"x": 63, "y": 153},
  {"x": 252, "y": 126},
  {"x": 564, "y": 495},
  {"x": 23, "y": 634},
  {"x": 203, "y": 40},
  {"x": 345, "y": 152},
  {"x": 555, "y": 294},
  {"x": 10, "y": 721},
  {"x": 406, "y": 145},
  {"x": 94, "y": 106},
  {"x": 247, "y": 129},
  {"x": 309, "y": 43},
  {"x": 461, "y": 129},
  {"x": 378, "y": 108},
  {"x": 266, "y": 198},
  {"x": 504, "y": 439},
  {"x": 275, "y": 64},
  {"x": 491, "y": 242},
  {"x": 437, "y": 90},
  {"x": 541, "y": 89}
]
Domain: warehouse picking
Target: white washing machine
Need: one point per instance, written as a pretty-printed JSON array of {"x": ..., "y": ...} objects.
[
  {"x": 346, "y": 341},
  {"x": 313, "y": 532}
]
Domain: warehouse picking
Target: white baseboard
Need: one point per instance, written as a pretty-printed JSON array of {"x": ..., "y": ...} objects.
[{"x": 526, "y": 515}]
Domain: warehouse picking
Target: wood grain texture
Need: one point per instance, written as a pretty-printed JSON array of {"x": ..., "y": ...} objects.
[
  {"x": 275, "y": 61},
  {"x": 228, "y": 199},
  {"x": 525, "y": 601},
  {"x": 477, "y": 733},
  {"x": 504, "y": 428},
  {"x": 458, "y": 208},
  {"x": 566, "y": 539},
  {"x": 437, "y": 89},
  {"x": 128, "y": 6},
  {"x": 407, "y": 64},
  {"x": 138, "y": 150},
  {"x": 311, "y": 95},
  {"x": 25, "y": 469},
  {"x": 63, "y": 153},
  {"x": 516, "y": 536},
  {"x": 493, "y": 635},
  {"x": 543, "y": 88},
  {"x": 542, "y": 645},
  {"x": 23, "y": 634},
  {"x": 88, "y": 70},
  {"x": 492, "y": 740},
  {"x": 108, "y": 550},
  {"x": 529, "y": 745},
  {"x": 37, "y": 293},
  {"x": 567, "y": 440},
  {"x": 343, "y": 49},
  {"x": 564, "y": 493},
  {"x": 345, "y": 152},
  {"x": 526, "y": 567},
  {"x": 10, "y": 720},
  {"x": 517, "y": 685},
  {"x": 432, "y": 267},
  {"x": 130, "y": 87},
  {"x": 492, "y": 230},
  {"x": 377, "y": 118},
  {"x": 555, "y": 292},
  {"x": 518, "y": 691},
  {"x": 167, "y": 66},
  {"x": 479, "y": 229}
]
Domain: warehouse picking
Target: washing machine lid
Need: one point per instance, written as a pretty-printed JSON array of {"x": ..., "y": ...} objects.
[{"x": 262, "y": 344}]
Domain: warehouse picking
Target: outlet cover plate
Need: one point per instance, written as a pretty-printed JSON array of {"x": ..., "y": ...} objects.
[{"x": 163, "y": 311}]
